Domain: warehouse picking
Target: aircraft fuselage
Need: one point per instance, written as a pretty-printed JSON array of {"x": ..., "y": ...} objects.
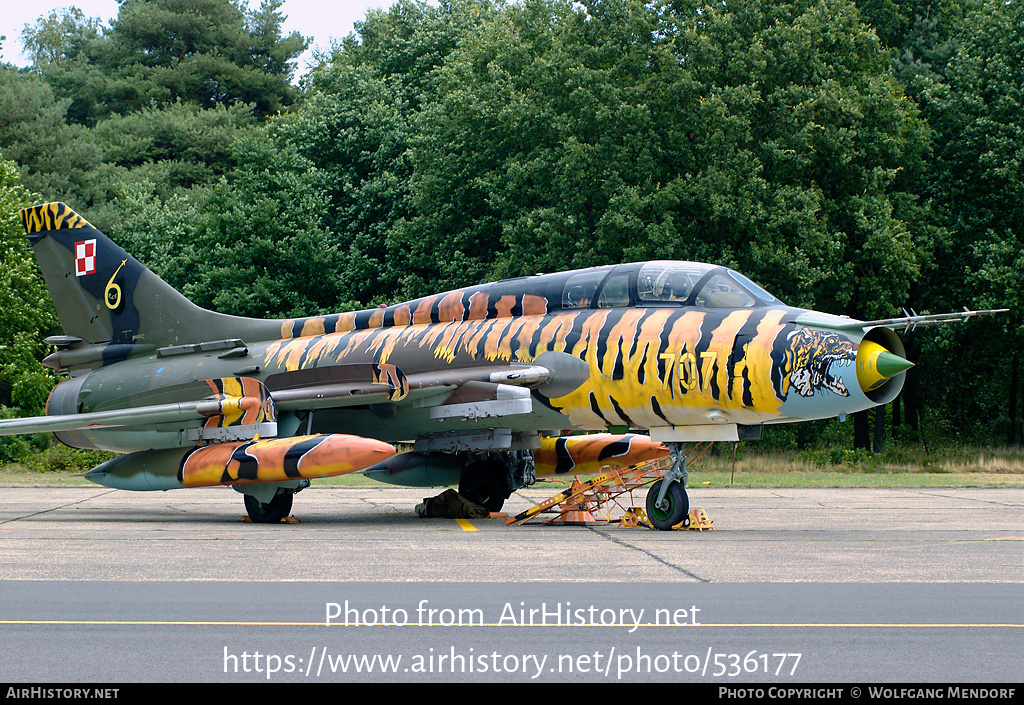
[{"x": 684, "y": 370}]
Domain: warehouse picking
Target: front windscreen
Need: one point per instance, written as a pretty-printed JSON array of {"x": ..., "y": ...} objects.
[{"x": 754, "y": 288}]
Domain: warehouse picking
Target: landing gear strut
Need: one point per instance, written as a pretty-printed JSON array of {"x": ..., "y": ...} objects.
[{"x": 667, "y": 501}]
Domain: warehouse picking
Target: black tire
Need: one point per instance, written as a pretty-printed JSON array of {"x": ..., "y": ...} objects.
[
  {"x": 271, "y": 512},
  {"x": 484, "y": 483},
  {"x": 678, "y": 506}
]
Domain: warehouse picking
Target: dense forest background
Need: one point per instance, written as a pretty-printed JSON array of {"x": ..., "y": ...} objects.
[{"x": 852, "y": 157}]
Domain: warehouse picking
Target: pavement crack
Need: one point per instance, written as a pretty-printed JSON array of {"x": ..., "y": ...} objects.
[
  {"x": 972, "y": 499},
  {"x": 647, "y": 553},
  {"x": 60, "y": 506}
]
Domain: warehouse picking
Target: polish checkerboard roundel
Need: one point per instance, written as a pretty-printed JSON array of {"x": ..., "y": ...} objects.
[{"x": 85, "y": 257}]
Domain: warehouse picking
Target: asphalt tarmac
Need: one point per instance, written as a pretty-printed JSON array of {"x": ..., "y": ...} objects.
[{"x": 866, "y": 585}]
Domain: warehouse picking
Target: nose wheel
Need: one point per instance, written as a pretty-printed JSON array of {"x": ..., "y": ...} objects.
[{"x": 673, "y": 509}]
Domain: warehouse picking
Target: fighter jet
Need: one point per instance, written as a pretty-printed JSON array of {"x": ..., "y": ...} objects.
[{"x": 483, "y": 383}]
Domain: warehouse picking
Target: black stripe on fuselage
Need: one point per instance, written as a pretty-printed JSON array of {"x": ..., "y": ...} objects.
[
  {"x": 708, "y": 325},
  {"x": 656, "y": 407},
  {"x": 747, "y": 399},
  {"x": 596, "y": 409},
  {"x": 618, "y": 410},
  {"x": 778, "y": 357},
  {"x": 576, "y": 330},
  {"x": 662, "y": 362},
  {"x": 743, "y": 337},
  {"x": 618, "y": 365}
]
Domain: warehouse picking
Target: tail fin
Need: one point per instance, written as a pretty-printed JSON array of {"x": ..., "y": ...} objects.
[{"x": 103, "y": 294}]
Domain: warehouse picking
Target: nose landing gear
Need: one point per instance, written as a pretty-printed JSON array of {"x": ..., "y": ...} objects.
[{"x": 667, "y": 501}]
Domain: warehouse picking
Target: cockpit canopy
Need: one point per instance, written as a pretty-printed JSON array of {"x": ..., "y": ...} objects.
[
  {"x": 680, "y": 283},
  {"x": 698, "y": 284}
]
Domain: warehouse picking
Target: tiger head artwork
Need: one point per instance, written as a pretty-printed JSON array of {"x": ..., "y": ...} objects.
[{"x": 810, "y": 355}]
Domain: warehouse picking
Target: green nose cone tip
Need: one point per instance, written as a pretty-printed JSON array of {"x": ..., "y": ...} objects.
[{"x": 889, "y": 364}]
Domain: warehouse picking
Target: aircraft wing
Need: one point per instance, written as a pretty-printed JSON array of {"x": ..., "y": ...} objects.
[
  {"x": 240, "y": 400},
  {"x": 220, "y": 406},
  {"x": 133, "y": 416},
  {"x": 552, "y": 373}
]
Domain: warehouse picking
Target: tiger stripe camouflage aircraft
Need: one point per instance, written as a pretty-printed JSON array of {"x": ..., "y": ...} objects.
[{"x": 484, "y": 381}]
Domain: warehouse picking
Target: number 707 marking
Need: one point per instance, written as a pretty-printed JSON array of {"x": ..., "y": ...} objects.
[{"x": 685, "y": 368}]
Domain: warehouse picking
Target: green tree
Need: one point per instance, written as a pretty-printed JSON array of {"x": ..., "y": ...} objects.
[
  {"x": 54, "y": 157},
  {"x": 168, "y": 148},
  {"x": 202, "y": 51},
  {"x": 356, "y": 128},
  {"x": 980, "y": 156},
  {"x": 251, "y": 245},
  {"x": 772, "y": 138},
  {"x": 207, "y": 52},
  {"x": 26, "y": 314},
  {"x": 60, "y": 38},
  {"x": 63, "y": 46}
]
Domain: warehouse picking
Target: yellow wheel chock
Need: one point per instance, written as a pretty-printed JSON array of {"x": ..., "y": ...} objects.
[
  {"x": 634, "y": 516},
  {"x": 699, "y": 521}
]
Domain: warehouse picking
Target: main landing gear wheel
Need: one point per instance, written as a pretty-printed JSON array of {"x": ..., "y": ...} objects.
[
  {"x": 484, "y": 483},
  {"x": 270, "y": 512},
  {"x": 678, "y": 506}
]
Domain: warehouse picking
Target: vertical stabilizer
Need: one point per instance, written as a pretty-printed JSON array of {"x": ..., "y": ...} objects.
[{"x": 103, "y": 294}]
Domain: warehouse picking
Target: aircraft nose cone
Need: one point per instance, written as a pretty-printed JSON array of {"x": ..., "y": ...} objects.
[
  {"x": 876, "y": 365},
  {"x": 889, "y": 364}
]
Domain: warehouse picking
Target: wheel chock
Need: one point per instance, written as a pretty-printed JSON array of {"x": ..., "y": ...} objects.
[
  {"x": 635, "y": 516},
  {"x": 697, "y": 520}
]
